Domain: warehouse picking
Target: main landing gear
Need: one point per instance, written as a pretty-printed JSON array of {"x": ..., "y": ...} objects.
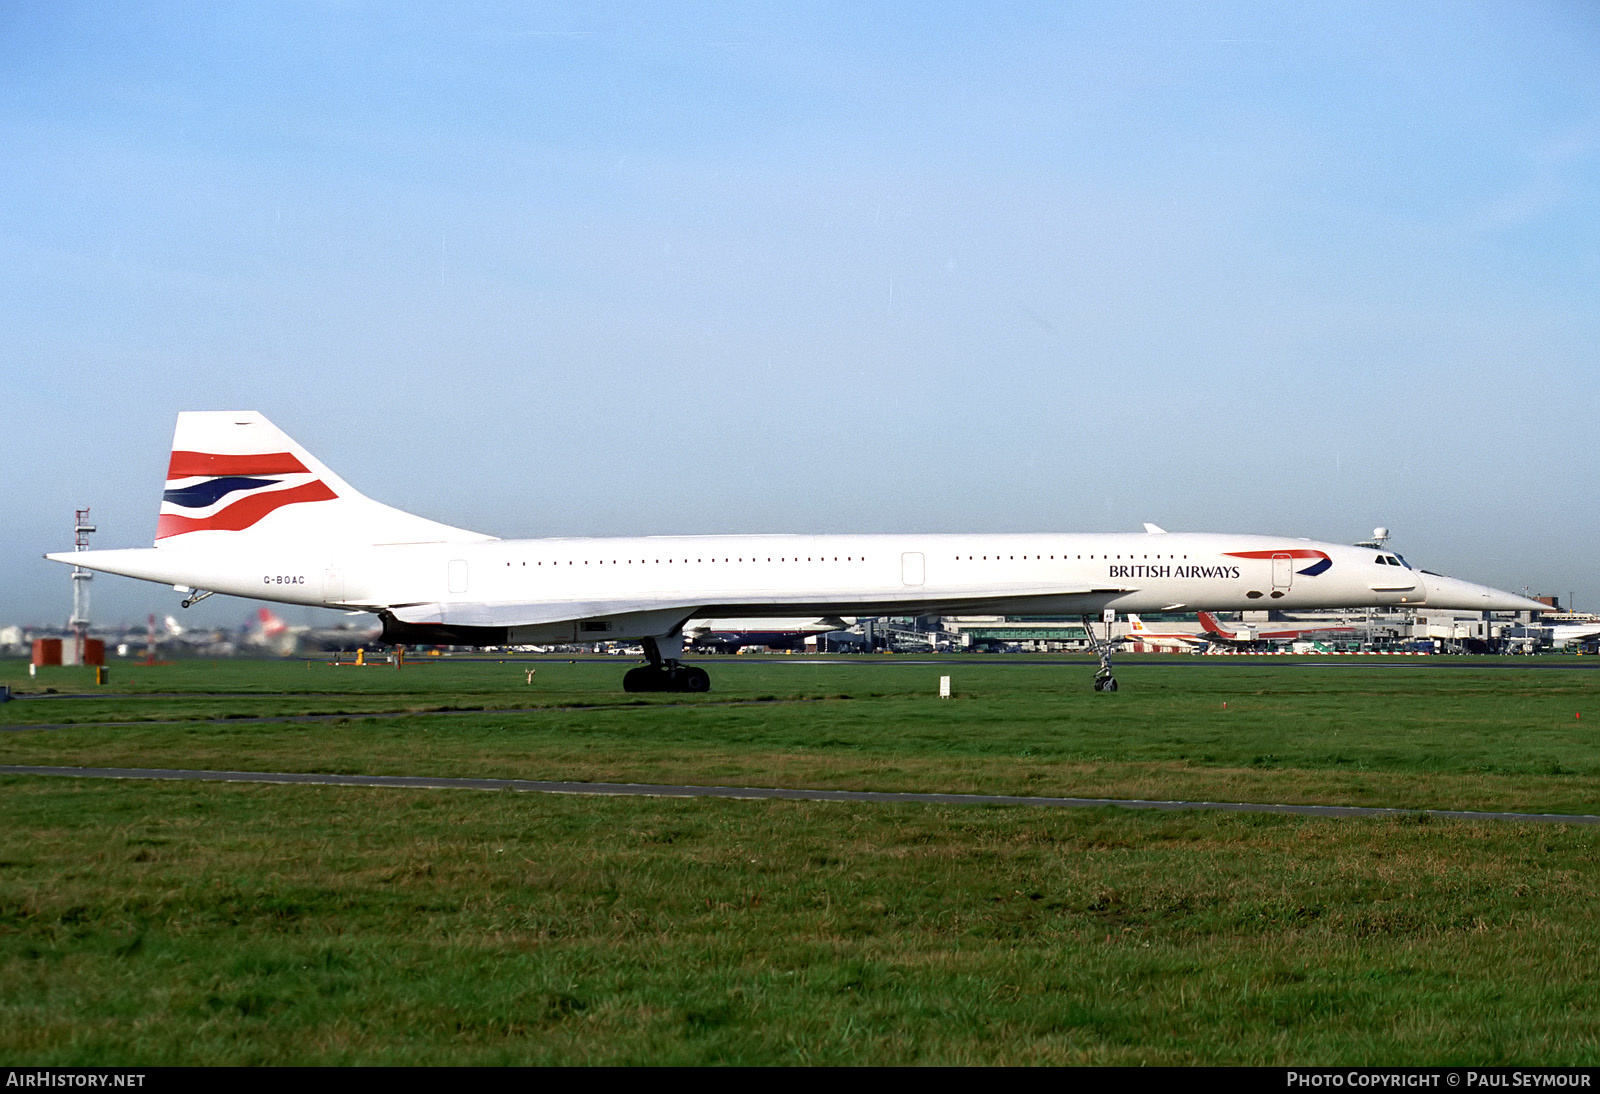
[
  {"x": 1103, "y": 680},
  {"x": 666, "y": 673},
  {"x": 667, "y": 676}
]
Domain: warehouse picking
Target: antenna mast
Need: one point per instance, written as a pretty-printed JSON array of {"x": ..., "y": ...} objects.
[{"x": 80, "y": 584}]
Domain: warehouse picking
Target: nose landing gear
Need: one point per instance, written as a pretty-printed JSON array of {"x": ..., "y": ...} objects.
[{"x": 1103, "y": 679}]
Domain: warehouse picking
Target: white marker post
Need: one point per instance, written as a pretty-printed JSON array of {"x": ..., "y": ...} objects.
[{"x": 944, "y": 687}]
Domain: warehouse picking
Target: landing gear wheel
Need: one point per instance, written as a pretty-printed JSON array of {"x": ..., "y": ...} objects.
[
  {"x": 644, "y": 678},
  {"x": 1105, "y": 683},
  {"x": 665, "y": 672},
  {"x": 666, "y": 677}
]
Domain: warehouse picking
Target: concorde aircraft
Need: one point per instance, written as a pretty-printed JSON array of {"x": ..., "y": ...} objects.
[{"x": 248, "y": 512}]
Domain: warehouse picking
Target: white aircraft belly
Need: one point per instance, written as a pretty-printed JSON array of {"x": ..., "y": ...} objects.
[{"x": 518, "y": 613}]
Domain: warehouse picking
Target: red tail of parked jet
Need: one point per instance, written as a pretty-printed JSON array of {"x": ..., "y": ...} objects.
[{"x": 1247, "y": 634}]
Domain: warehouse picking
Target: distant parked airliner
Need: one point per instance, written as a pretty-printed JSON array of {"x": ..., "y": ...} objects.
[{"x": 1214, "y": 633}]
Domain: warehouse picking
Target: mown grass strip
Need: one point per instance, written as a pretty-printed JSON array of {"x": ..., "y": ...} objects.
[
  {"x": 226, "y": 923},
  {"x": 754, "y": 793},
  {"x": 204, "y": 924}
]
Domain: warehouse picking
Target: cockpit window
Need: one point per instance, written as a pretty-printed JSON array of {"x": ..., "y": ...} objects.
[{"x": 1401, "y": 559}]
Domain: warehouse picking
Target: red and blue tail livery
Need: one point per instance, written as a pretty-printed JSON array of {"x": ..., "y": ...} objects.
[
  {"x": 226, "y": 492},
  {"x": 234, "y": 472}
]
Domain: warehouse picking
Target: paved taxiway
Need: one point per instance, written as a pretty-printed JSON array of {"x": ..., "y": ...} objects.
[
  {"x": 367, "y": 715},
  {"x": 531, "y": 786}
]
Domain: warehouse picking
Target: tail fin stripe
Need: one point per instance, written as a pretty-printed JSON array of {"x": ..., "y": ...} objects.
[
  {"x": 204, "y": 494},
  {"x": 244, "y": 512},
  {"x": 188, "y": 464}
]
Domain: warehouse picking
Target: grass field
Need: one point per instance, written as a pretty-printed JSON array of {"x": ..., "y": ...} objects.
[{"x": 150, "y": 922}]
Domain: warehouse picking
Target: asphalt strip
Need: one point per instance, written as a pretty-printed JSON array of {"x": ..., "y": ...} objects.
[{"x": 878, "y": 797}]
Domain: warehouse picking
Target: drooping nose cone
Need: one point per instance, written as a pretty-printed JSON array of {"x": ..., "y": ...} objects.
[{"x": 1447, "y": 592}]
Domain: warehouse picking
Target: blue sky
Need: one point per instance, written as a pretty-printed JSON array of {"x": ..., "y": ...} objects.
[{"x": 638, "y": 268}]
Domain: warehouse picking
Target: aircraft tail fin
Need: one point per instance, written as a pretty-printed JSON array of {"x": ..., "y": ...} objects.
[
  {"x": 1136, "y": 625},
  {"x": 1209, "y": 623},
  {"x": 271, "y": 625},
  {"x": 235, "y": 477}
]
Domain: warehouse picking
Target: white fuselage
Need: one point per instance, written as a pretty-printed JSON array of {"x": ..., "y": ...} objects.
[
  {"x": 246, "y": 510},
  {"x": 649, "y": 585}
]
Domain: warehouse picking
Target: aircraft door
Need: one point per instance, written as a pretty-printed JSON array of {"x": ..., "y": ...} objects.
[
  {"x": 333, "y": 585},
  {"x": 913, "y": 568},
  {"x": 458, "y": 575},
  {"x": 1282, "y": 573}
]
